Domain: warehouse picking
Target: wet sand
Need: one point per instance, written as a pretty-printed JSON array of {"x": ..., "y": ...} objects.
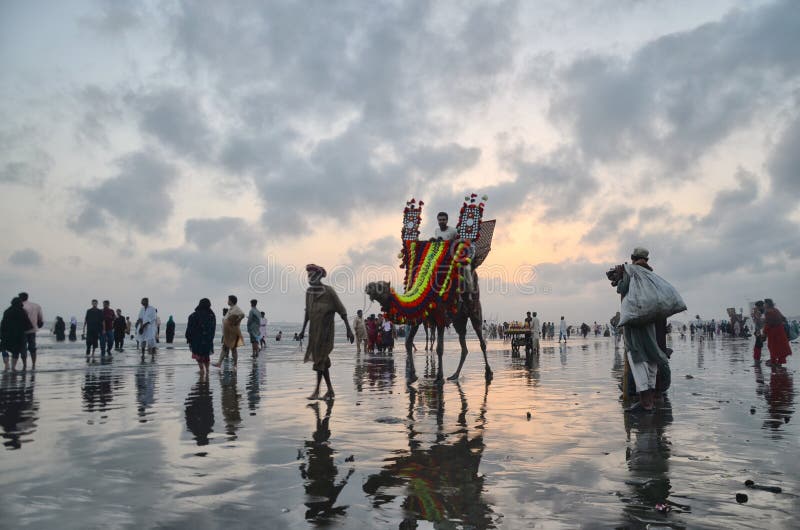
[{"x": 121, "y": 443}]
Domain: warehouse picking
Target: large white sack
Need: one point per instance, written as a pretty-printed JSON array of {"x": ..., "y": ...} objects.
[{"x": 650, "y": 297}]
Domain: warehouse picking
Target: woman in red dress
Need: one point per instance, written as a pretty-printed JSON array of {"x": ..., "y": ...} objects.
[{"x": 777, "y": 341}]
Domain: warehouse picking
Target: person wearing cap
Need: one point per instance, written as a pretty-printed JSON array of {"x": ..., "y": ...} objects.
[
  {"x": 646, "y": 356},
  {"x": 322, "y": 303}
]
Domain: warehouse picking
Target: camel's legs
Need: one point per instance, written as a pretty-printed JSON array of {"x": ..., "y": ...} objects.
[
  {"x": 411, "y": 372},
  {"x": 439, "y": 353}
]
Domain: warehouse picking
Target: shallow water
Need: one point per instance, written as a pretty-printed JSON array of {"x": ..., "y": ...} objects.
[{"x": 123, "y": 443}]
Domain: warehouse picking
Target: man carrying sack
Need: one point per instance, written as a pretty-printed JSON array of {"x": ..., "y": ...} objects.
[{"x": 647, "y": 301}]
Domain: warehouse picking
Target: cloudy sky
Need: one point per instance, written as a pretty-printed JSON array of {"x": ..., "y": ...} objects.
[{"x": 190, "y": 149}]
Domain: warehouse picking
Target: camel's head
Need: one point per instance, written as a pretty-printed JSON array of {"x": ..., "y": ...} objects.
[{"x": 379, "y": 292}]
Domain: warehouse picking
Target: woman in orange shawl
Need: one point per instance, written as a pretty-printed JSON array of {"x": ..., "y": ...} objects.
[{"x": 777, "y": 341}]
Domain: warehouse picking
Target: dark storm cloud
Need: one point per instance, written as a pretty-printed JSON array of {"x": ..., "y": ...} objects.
[
  {"x": 558, "y": 182},
  {"x": 607, "y": 224},
  {"x": 175, "y": 117},
  {"x": 381, "y": 251},
  {"x": 223, "y": 249},
  {"x": 22, "y": 161},
  {"x": 97, "y": 106},
  {"x": 784, "y": 163},
  {"x": 113, "y": 17},
  {"x": 26, "y": 173},
  {"x": 25, "y": 257},
  {"x": 137, "y": 197},
  {"x": 681, "y": 94},
  {"x": 742, "y": 232},
  {"x": 343, "y": 107}
]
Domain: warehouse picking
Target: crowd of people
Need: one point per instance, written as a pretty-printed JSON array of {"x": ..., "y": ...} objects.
[{"x": 645, "y": 342}]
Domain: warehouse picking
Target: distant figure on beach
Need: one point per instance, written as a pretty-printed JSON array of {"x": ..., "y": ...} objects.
[
  {"x": 758, "y": 329},
  {"x": 322, "y": 303},
  {"x": 535, "y": 331},
  {"x": 36, "y": 317},
  {"x": 170, "y": 332},
  {"x": 146, "y": 327},
  {"x": 73, "y": 329},
  {"x": 59, "y": 329},
  {"x": 231, "y": 332},
  {"x": 92, "y": 328},
  {"x": 777, "y": 340},
  {"x": 107, "y": 336},
  {"x": 120, "y": 330},
  {"x": 254, "y": 327},
  {"x": 372, "y": 333},
  {"x": 13, "y": 330},
  {"x": 562, "y": 330},
  {"x": 262, "y": 330},
  {"x": 279, "y": 336},
  {"x": 200, "y": 329},
  {"x": 128, "y": 326},
  {"x": 158, "y": 327},
  {"x": 360, "y": 329}
]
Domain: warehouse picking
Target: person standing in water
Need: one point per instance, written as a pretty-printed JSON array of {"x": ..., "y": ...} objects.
[
  {"x": 322, "y": 303},
  {"x": 254, "y": 327},
  {"x": 146, "y": 327},
  {"x": 200, "y": 330},
  {"x": 120, "y": 329},
  {"x": 170, "y": 330},
  {"x": 231, "y": 333}
]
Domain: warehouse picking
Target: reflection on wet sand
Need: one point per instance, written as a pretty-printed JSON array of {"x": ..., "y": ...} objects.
[
  {"x": 647, "y": 455},
  {"x": 253, "y": 387},
  {"x": 231, "y": 403},
  {"x": 146, "y": 380},
  {"x": 320, "y": 471},
  {"x": 779, "y": 395},
  {"x": 99, "y": 385},
  {"x": 200, "y": 411},
  {"x": 18, "y": 408},
  {"x": 441, "y": 483},
  {"x": 376, "y": 371}
]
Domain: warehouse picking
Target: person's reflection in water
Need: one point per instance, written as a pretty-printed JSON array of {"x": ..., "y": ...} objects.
[
  {"x": 18, "y": 409},
  {"x": 200, "y": 411},
  {"x": 146, "y": 376},
  {"x": 99, "y": 385},
  {"x": 253, "y": 386},
  {"x": 562, "y": 349},
  {"x": 380, "y": 372},
  {"x": 648, "y": 455},
  {"x": 442, "y": 484},
  {"x": 320, "y": 471},
  {"x": 231, "y": 403},
  {"x": 779, "y": 395}
]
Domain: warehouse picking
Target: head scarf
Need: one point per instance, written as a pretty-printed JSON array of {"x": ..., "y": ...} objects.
[
  {"x": 316, "y": 268},
  {"x": 204, "y": 305}
]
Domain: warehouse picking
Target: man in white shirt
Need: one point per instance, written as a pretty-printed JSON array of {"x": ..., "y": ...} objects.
[
  {"x": 535, "y": 331},
  {"x": 447, "y": 233},
  {"x": 444, "y": 232},
  {"x": 562, "y": 330},
  {"x": 146, "y": 327}
]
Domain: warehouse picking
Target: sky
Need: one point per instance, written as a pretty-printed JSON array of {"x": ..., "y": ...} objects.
[{"x": 180, "y": 150}]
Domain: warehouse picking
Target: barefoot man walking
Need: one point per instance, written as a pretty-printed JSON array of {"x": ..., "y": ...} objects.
[{"x": 322, "y": 303}]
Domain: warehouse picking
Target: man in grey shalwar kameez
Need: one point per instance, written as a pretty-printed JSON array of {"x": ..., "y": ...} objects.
[
  {"x": 322, "y": 303},
  {"x": 644, "y": 355}
]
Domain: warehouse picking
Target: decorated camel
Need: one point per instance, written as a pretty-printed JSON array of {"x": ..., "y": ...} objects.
[{"x": 435, "y": 283}]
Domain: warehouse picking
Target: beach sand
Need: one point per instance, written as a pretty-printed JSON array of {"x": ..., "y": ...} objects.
[{"x": 121, "y": 443}]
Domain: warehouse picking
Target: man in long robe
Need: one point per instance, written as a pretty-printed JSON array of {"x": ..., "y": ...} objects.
[
  {"x": 146, "y": 327},
  {"x": 645, "y": 356},
  {"x": 231, "y": 332},
  {"x": 322, "y": 303},
  {"x": 360, "y": 329}
]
